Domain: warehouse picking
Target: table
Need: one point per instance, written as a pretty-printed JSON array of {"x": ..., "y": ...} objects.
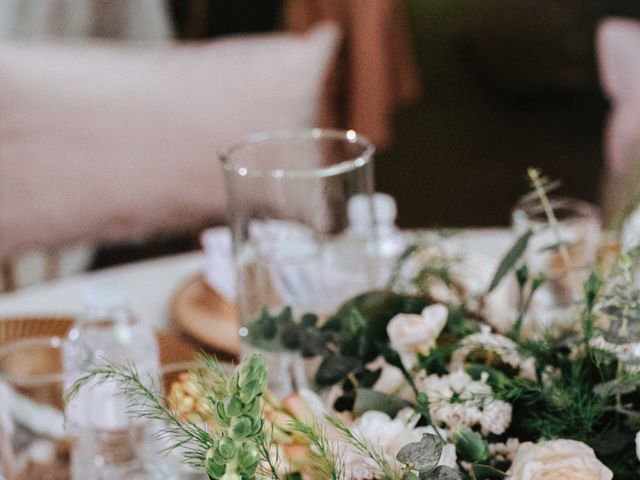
[{"x": 152, "y": 283}]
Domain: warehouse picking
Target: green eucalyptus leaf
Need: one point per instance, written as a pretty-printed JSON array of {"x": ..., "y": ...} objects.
[
  {"x": 367, "y": 399},
  {"x": 442, "y": 473},
  {"x": 423, "y": 455},
  {"x": 510, "y": 259},
  {"x": 470, "y": 446},
  {"x": 334, "y": 368}
]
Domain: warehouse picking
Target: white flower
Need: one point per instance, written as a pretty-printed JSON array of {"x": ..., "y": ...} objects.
[
  {"x": 473, "y": 414},
  {"x": 437, "y": 388},
  {"x": 504, "y": 451},
  {"x": 528, "y": 369},
  {"x": 459, "y": 380},
  {"x": 391, "y": 378},
  {"x": 496, "y": 417},
  {"x": 504, "y": 347},
  {"x": 477, "y": 391},
  {"x": 388, "y": 436},
  {"x": 557, "y": 460},
  {"x": 638, "y": 445},
  {"x": 411, "y": 334}
]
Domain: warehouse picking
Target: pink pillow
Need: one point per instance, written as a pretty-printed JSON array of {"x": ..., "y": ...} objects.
[
  {"x": 110, "y": 142},
  {"x": 618, "y": 42}
]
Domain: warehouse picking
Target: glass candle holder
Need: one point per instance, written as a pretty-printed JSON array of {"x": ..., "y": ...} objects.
[
  {"x": 563, "y": 252},
  {"x": 288, "y": 194}
]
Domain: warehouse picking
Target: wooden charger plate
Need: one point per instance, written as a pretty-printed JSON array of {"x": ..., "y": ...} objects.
[{"x": 204, "y": 315}]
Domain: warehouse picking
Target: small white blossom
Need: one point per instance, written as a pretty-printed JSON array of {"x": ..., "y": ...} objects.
[
  {"x": 496, "y": 417},
  {"x": 504, "y": 451},
  {"x": 504, "y": 347},
  {"x": 459, "y": 380},
  {"x": 528, "y": 369},
  {"x": 437, "y": 388},
  {"x": 478, "y": 391}
]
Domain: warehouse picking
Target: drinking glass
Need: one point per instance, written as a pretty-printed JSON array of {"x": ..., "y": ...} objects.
[
  {"x": 33, "y": 440},
  {"x": 288, "y": 194},
  {"x": 563, "y": 253}
]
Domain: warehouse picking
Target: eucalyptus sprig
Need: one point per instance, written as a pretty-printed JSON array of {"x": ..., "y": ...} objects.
[{"x": 423, "y": 457}]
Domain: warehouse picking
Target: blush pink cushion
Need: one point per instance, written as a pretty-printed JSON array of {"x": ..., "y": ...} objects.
[
  {"x": 112, "y": 142},
  {"x": 618, "y": 42}
]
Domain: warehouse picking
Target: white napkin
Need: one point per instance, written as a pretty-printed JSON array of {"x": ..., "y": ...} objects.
[
  {"x": 219, "y": 270},
  {"x": 41, "y": 419}
]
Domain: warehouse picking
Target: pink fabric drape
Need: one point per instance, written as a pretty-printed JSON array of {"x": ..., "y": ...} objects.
[
  {"x": 377, "y": 71},
  {"x": 618, "y": 42}
]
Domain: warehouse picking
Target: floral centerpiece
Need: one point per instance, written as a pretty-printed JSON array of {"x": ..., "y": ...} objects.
[{"x": 425, "y": 380}]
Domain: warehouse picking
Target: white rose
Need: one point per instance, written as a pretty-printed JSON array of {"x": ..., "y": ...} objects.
[
  {"x": 638, "y": 445},
  {"x": 411, "y": 334},
  {"x": 557, "y": 460},
  {"x": 391, "y": 379},
  {"x": 496, "y": 417}
]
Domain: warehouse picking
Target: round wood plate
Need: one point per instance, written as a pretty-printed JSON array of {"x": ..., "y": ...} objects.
[
  {"x": 204, "y": 315},
  {"x": 172, "y": 349}
]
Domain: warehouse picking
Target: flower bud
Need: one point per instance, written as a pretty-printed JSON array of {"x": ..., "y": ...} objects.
[
  {"x": 232, "y": 406},
  {"x": 250, "y": 391},
  {"x": 242, "y": 427},
  {"x": 252, "y": 409},
  {"x": 470, "y": 446},
  {"x": 248, "y": 458},
  {"x": 226, "y": 447},
  {"x": 252, "y": 370},
  {"x": 214, "y": 469}
]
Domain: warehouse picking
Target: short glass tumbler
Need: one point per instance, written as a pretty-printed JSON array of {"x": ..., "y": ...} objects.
[
  {"x": 563, "y": 252},
  {"x": 33, "y": 440},
  {"x": 288, "y": 194}
]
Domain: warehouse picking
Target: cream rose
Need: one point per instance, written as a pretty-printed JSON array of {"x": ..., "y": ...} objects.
[
  {"x": 557, "y": 460},
  {"x": 411, "y": 334}
]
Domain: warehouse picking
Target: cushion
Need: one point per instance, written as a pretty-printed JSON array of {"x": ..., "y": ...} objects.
[
  {"x": 111, "y": 141},
  {"x": 618, "y": 42}
]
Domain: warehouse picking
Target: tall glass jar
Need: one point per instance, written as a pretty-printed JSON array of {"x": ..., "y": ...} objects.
[{"x": 288, "y": 194}]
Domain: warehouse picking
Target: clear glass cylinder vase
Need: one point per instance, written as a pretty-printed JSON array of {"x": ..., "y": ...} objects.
[{"x": 288, "y": 194}]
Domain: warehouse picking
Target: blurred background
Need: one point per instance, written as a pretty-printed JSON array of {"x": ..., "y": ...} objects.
[{"x": 459, "y": 96}]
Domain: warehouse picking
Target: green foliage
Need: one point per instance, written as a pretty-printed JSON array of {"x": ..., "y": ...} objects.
[
  {"x": 234, "y": 450},
  {"x": 511, "y": 258},
  {"x": 368, "y": 399},
  {"x": 470, "y": 446},
  {"x": 325, "y": 460},
  {"x": 423, "y": 457}
]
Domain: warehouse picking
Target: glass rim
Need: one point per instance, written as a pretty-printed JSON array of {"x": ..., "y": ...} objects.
[
  {"x": 56, "y": 343},
  {"x": 350, "y": 136},
  {"x": 532, "y": 208},
  {"x": 29, "y": 379}
]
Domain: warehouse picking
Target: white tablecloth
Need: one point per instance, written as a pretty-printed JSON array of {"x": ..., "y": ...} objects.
[{"x": 152, "y": 284}]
